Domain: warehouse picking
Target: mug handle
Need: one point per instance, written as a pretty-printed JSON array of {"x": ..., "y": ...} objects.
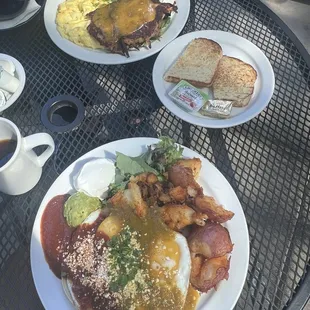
[{"x": 37, "y": 139}]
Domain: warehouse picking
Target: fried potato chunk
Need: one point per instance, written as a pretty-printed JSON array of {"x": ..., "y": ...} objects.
[
  {"x": 146, "y": 177},
  {"x": 165, "y": 198},
  {"x": 215, "y": 212},
  {"x": 139, "y": 178},
  {"x": 211, "y": 272},
  {"x": 182, "y": 176},
  {"x": 192, "y": 163},
  {"x": 110, "y": 226},
  {"x": 130, "y": 197},
  {"x": 212, "y": 240},
  {"x": 118, "y": 200},
  {"x": 151, "y": 178},
  {"x": 177, "y": 216},
  {"x": 178, "y": 193},
  {"x": 135, "y": 198},
  {"x": 197, "y": 261}
]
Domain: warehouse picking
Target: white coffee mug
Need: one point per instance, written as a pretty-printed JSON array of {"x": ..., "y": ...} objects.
[{"x": 23, "y": 171}]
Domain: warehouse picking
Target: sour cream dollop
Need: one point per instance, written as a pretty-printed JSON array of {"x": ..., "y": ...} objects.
[{"x": 95, "y": 177}]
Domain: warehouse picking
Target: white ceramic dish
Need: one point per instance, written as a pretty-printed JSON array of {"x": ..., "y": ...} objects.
[
  {"x": 213, "y": 182},
  {"x": 20, "y": 75},
  {"x": 100, "y": 56},
  {"x": 232, "y": 45}
]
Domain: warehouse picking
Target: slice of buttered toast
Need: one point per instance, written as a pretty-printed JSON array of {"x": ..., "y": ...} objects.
[
  {"x": 234, "y": 80},
  {"x": 197, "y": 64}
]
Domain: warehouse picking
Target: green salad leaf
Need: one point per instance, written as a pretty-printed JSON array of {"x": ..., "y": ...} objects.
[
  {"x": 157, "y": 159},
  {"x": 132, "y": 165},
  {"x": 119, "y": 184},
  {"x": 165, "y": 24},
  {"x": 127, "y": 166},
  {"x": 163, "y": 154}
]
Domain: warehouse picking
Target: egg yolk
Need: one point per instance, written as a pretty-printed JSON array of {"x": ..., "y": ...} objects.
[
  {"x": 191, "y": 298},
  {"x": 164, "y": 258}
]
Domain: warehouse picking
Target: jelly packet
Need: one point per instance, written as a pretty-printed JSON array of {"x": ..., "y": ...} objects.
[{"x": 188, "y": 97}]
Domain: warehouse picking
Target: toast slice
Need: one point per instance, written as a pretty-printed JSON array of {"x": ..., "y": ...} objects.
[
  {"x": 197, "y": 64},
  {"x": 234, "y": 80}
]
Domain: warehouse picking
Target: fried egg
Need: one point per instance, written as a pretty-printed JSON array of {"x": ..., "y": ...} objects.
[{"x": 170, "y": 263}]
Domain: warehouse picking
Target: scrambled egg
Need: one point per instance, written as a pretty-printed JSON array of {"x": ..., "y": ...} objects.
[{"x": 72, "y": 22}]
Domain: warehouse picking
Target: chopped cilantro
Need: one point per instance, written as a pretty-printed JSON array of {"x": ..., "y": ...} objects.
[{"x": 125, "y": 259}]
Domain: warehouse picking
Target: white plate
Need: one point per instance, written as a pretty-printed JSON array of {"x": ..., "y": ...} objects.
[
  {"x": 19, "y": 74},
  {"x": 213, "y": 183},
  {"x": 232, "y": 45},
  {"x": 100, "y": 56}
]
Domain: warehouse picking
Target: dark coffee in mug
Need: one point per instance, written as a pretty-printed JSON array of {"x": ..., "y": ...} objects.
[
  {"x": 7, "y": 149},
  {"x": 10, "y": 9}
]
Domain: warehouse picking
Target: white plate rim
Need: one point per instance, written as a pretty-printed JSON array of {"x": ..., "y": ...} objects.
[
  {"x": 101, "y": 57},
  {"x": 43, "y": 276},
  {"x": 268, "y": 80}
]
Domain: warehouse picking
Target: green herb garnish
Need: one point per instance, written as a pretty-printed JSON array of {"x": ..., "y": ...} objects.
[{"x": 125, "y": 258}]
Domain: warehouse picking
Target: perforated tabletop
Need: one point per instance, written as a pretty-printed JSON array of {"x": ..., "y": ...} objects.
[{"x": 265, "y": 160}]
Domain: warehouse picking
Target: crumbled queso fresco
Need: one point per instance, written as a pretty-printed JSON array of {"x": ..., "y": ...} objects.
[{"x": 116, "y": 270}]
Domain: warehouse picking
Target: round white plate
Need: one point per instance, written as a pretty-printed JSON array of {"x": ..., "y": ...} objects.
[
  {"x": 100, "y": 56},
  {"x": 232, "y": 45},
  {"x": 213, "y": 183}
]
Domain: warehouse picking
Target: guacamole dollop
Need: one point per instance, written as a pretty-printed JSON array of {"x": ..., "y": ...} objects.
[{"x": 78, "y": 207}]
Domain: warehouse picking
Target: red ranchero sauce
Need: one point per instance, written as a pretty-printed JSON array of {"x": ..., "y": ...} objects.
[{"x": 55, "y": 233}]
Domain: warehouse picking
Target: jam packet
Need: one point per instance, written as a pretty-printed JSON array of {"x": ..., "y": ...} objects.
[
  {"x": 188, "y": 97},
  {"x": 217, "y": 108}
]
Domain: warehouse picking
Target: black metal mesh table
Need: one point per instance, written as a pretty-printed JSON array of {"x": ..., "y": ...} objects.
[{"x": 266, "y": 160}]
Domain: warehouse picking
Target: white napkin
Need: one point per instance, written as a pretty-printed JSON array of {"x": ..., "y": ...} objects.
[{"x": 31, "y": 9}]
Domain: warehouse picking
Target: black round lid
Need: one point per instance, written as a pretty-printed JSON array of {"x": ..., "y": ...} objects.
[
  {"x": 62, "y": 113},
  {"x": 10, "y": 9}
]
